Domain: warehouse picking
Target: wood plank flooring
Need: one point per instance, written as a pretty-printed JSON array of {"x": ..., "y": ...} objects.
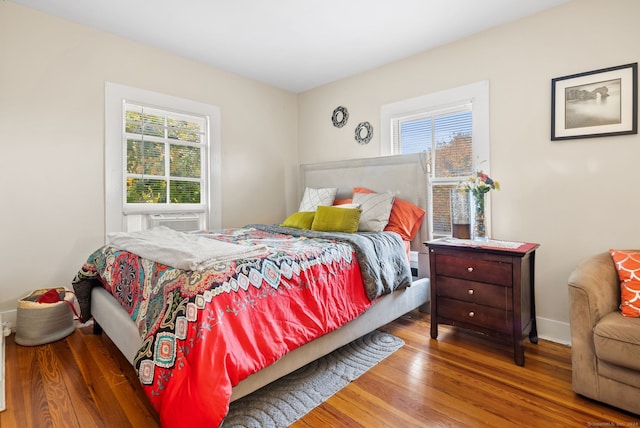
[{"x": 460, "y": 380}]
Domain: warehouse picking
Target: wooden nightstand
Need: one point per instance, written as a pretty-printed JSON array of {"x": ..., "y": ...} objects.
[{"x": 487, "y": 287}]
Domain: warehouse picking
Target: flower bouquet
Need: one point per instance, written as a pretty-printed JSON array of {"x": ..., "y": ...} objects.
[{"x": 478, "y": 185}]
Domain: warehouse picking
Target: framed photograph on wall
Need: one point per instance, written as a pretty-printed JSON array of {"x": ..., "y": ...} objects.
[{"x": 597, "y": 103}]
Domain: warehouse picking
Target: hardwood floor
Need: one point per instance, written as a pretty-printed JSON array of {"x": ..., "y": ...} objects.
[{"x": 460, "y": 380}]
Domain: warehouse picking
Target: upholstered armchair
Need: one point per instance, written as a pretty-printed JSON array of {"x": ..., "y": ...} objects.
[{"x": 605, "y": 348}]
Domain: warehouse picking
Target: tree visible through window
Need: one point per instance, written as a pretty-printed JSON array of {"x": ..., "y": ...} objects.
[
  {"x": 446, "y": 138},
  {"x": 164, "y": 156}
]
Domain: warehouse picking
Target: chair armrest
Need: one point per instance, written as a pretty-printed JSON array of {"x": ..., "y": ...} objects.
[
  {"x": 594, "y": 286},
  {"x": 594, "y": 291}
]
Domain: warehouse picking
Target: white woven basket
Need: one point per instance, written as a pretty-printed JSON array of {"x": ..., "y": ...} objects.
[{"x": 39, "y": 323}]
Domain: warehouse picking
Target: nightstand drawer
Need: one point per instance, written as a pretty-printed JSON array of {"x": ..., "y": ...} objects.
[
  {"x": 475, "y": 269},
  {"x": 476, "y": 292},
  {"x": 477, "y": 315}
]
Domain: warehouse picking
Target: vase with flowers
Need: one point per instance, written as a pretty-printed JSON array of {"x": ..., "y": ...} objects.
[{"x": 478, "y": 186}]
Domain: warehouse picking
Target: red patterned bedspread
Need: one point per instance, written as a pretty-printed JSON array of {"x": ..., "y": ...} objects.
[{"x": 206, "y": 331}]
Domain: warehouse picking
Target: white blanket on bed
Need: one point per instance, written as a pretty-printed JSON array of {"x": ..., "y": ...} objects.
[{"x": 182, "y": 250}]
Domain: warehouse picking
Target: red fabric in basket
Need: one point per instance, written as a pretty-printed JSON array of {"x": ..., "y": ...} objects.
[{"x": 51, "y": 296}]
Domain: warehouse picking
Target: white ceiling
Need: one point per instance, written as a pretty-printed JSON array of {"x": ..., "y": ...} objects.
[{"x": 293, "y": 44}]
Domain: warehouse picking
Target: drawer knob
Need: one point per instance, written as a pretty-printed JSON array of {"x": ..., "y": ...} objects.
[
  {"x": 470, "y": 291},
  {"x": 470, "y": 269},
  {"x": 471, "y": 314}
]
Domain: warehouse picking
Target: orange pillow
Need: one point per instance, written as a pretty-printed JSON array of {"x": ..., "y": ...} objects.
[
  {"x": 405, "y": 218},
  {"x": 628, "y": 266}
]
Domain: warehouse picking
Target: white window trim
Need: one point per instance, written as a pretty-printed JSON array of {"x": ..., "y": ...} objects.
[
  {"x": 115, "y": 96},
  {"x": 476, "y": 93}
]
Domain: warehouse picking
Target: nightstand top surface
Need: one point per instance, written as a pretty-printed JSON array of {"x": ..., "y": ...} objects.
[{"x": 493, "y": 245}]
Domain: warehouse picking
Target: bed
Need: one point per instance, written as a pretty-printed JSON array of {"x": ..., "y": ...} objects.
[{"x": 367, "y": 293}]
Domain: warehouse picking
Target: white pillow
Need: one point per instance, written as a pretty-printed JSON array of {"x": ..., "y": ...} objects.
[
  {"x": 314, "y": 197},
  {"x": 376, "y": 209}
]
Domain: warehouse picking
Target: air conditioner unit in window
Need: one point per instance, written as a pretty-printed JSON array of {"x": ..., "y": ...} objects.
[{"x": 180, "y": 222}]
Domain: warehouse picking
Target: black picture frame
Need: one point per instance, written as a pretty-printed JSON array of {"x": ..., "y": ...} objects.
[{"x": 599, "y": 103}]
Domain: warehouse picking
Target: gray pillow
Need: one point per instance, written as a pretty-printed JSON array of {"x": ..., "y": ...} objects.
[{"x": 376, "y": 209}]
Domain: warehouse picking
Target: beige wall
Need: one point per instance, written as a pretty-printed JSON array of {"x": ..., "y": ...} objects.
[
  {"x": 52, "y": 75},
  {"x": 573, "y": 197}
]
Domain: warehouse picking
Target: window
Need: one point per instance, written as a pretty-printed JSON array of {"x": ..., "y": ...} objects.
[
  {"x": 451, "y": 129},
  {"x": 161, "y": 161},
  {"x": 165, "y": 152}
]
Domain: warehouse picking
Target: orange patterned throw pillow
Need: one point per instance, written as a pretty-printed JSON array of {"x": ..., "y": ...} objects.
[{"x": 628, "y": 266}]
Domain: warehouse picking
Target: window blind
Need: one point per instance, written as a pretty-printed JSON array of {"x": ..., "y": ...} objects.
[
  {"x": 446, "y": 136},
  {"x": 164, "y": 156}
]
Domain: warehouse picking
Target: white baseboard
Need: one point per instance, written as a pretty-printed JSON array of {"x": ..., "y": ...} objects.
[
  {"x": 554, "y": 331},
  {"x": 9, "y": 319},
  {"x": 3, "y": 332},
  {"x": 7, "y": 325}
]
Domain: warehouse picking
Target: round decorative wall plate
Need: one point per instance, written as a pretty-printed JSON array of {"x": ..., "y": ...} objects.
[
  {"x": 364, "y": 132},
  {"x": 340, "y": 117}
]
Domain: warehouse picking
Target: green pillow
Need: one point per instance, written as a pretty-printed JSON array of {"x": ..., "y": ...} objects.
[
  {"x": 336, "y": 219},
  {"x": 299, "y": 220}
]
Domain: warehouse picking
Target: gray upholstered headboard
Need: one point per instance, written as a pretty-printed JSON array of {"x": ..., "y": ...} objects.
[{"x": 402, "y": 175}]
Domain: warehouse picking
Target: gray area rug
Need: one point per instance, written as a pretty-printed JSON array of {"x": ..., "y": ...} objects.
[{"x": 288, "y": 399}]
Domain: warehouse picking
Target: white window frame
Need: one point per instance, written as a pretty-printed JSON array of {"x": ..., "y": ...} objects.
[
  {"x": 475, "y": 93},
  {"x": 118, "y": 213},
  {"x": 167, "y": 207}
]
